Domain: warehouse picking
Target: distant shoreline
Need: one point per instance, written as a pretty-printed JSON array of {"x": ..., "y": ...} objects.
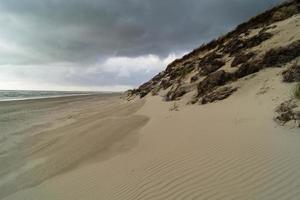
[
  {"x": 35, "y": 97},
  {"x": 48, "y": 97}
]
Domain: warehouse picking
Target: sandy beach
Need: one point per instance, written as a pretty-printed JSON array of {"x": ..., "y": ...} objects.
[
  {"x": 43, "y": 138},
  {"x": 107, "y": 148},
  {"x": 221, "y": 123}
]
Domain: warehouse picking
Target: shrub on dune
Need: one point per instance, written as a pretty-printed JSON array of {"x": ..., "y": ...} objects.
[{"x": 297, "y": 91}]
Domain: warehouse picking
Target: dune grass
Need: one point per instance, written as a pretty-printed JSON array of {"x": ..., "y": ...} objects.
[{"x": 297, "y": 91}]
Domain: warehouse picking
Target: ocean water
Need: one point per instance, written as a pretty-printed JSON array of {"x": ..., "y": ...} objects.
[{"x": 13, "y": 95}]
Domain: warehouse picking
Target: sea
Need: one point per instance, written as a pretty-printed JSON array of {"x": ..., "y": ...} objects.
[{"x": 15, "y": 95}]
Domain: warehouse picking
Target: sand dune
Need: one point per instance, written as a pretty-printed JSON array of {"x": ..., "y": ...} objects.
[
  {"x": 224, "y": 150},
  {"x": 233, "y": 153}
]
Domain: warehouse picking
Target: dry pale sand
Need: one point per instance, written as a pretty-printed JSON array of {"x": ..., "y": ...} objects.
[
  {"x": 62, "y": 134},
  {"x": 226, "y": 150}
]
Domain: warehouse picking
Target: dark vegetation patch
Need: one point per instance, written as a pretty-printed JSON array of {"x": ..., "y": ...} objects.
[
  {"x": 144, "y": 89},
  {"x": 176, "y": 92},
  {"x": 282, "y": 55},
  {"x": 147, "y": 87},
  {"x": 195, "y": 78},
  {"x": 272, "y": 58},
  {"x": 247, "y": 69},
  {"x": 286, "y": 113},
  {"x": 297, "y": 91},
  {"x": 292, "y": 74},
  {"x": 236, "y": 45},
  {"x": 210, "y": 63},
  {"x": 166, "y": 83},
  {"x": 242, "y": 58},
  {"x": 180, "y": 72},
  {"x": 218, "y": 94},
  {"x": 212, "y": 81}
]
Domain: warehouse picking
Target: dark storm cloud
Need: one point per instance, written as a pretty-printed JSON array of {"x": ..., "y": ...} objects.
[{"x": 85, "y": 31}]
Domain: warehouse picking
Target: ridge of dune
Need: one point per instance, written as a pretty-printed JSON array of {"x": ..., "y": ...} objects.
[{"x": 211, "y": 72}]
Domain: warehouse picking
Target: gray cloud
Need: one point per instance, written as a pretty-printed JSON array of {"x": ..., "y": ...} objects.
[{"x": 90, "y": 31}]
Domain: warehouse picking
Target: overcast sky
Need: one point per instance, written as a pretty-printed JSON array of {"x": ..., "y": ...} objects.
[{"x": 106, "y": 44}]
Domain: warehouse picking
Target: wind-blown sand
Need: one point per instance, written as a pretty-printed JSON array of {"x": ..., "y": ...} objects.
[
  {"x": 62, "y": 134},
  {"x": 100, "y": 147},
  {"x": 141, "y": 150}
]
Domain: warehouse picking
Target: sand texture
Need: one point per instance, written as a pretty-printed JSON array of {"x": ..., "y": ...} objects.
[
  {"x": 226, "y": 150},
  {"x": 71, "y": 132}
]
